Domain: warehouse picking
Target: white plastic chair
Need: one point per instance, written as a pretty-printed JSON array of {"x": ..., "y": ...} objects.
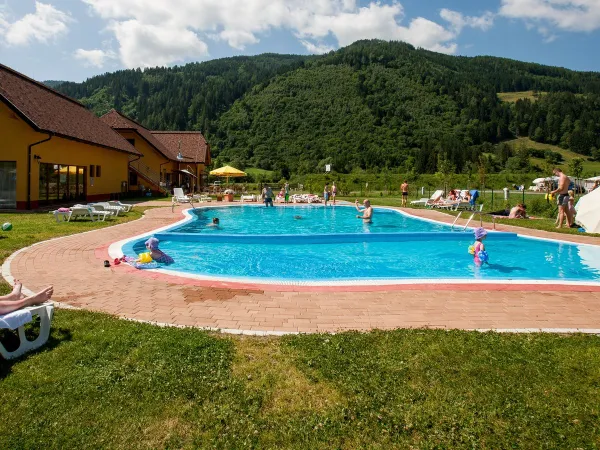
[
  {"x": 179, "y": 196},
  {"x": 45, "y": 312}
]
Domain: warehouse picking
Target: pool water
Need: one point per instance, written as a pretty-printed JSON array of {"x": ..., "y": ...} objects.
[
  {"x": 329, "y": 245},
  {"x": 307, "y": 219}
]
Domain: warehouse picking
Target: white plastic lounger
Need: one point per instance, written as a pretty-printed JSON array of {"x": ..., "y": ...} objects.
[
  {"x": 427, "y": 201},
  {"x": 125, "y": 207},
  {"x": 179, "y": 196},
  {"x": 79, "y": 211},
  {"x": 248, "y": 198},
  {"x": 44, "y": 311}
]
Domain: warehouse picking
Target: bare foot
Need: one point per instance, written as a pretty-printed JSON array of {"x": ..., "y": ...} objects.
[
  {"x": 40, "y": 297},
  {"x": 16, "y": 292}
]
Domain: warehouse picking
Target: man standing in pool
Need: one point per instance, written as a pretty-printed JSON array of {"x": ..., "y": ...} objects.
[
  {"x": 333, "y": 192},
  {"x": 367, "y": 211},
  {"x": 404, "y": 189},
  {"x": 268, "y": 196}
]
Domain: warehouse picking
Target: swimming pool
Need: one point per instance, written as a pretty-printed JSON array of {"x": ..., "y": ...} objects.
[{"x": 330, "y": 246}]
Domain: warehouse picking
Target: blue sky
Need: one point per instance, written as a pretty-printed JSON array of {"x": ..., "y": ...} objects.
[{"x": 76, "y": 39}]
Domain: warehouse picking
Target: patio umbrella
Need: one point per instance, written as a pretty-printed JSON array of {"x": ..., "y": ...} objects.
[
  {"x": 588, "y": 211},
  {"x": 228, "y": 172}
]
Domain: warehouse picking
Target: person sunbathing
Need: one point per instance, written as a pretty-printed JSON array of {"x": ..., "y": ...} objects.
[
  {"x": 13, "y": 301},
  {"x": 518, "y": 212}
]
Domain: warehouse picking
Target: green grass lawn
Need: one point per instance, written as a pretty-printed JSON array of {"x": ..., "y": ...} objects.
[
  {"x": 107, "y": 383},
  {"x": 101, "y": 382}
]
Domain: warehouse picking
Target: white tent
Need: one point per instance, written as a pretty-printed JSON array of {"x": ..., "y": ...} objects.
[
  {"x": 589, "y": 183},
  {"x": 543, "y": 180},
  {"x": 588, "y": 212}
]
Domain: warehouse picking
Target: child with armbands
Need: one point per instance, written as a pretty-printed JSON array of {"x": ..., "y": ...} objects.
[
  {"x": 155, "y": 253},
  {"x": 480, "y": 256}
]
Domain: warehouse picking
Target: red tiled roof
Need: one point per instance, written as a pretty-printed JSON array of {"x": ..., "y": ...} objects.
[
  {"x": 118, "y": 121},
  {"x": 49, "y": 111},
  {"x": 192, "y": 144}
]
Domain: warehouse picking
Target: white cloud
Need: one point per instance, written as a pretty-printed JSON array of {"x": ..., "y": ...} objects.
[
  {"x": 164, "y": 31},
  {"x": 93, "y": 58},
  {"x": 316, "y": 49},
  {"x": 459, "y": 21},
  {"x": 46, "y": 24},
  {"x": 145, "y": 45},
  {"x": 550, "y": 15}
]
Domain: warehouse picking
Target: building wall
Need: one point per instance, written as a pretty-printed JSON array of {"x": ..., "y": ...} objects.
[
  {"x": 152, "y": 160},
  {"x": 17, "y": 135}
]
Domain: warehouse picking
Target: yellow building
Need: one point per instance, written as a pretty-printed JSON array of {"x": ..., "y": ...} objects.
[
  {"x": 53, "y": 150},
  {"x": 169, "y": 158}
]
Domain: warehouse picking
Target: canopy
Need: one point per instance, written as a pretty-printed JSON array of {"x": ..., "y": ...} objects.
[
  {"x": 228, "y": 171},
  {"x": 187, "y": 172},
  {"x": 588, "y": 211},
  {"x": 543, "y": 180},
  {"x": 593, "y": 179}
]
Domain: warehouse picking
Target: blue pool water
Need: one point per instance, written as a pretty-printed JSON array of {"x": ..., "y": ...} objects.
[
  {"x": 313, "y": 219},
  {"x": 331, "y": 244}
]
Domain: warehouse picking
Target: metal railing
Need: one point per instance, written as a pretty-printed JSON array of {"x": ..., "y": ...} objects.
[
  {"x": 474, "y": 213},
  {"x": 148, "y": 173}
]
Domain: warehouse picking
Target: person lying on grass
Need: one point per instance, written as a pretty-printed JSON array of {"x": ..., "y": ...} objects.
[{"x": 13, "y": 301}]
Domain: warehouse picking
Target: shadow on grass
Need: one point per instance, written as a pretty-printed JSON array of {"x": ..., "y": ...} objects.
[{"x": 10, "y": 341}]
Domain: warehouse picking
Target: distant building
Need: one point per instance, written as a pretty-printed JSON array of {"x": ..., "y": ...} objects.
[
  {"x": 170, "y": 158},
  {"x": 54, "y": 150}
]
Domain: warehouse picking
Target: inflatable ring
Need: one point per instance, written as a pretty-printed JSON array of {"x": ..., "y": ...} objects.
[{"x": 145, "y": 258}]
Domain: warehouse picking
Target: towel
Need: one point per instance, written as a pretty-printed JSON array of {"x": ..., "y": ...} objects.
[{"x": 15, "y": 319}]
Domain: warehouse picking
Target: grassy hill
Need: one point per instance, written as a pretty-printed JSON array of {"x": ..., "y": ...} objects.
[
  {"x": 512, "y": 97},
  {"x": 590, "y": 168},
  {"x": 371, "y": 106}
]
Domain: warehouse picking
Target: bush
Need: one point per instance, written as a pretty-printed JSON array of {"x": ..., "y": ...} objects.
[{"x": 541, "y": 207}]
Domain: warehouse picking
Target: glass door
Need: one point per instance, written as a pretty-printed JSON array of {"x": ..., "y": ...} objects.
[{"x": 8, "y": 184}]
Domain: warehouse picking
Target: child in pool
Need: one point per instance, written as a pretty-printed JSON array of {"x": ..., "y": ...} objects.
[
  {"x": 480, "y": 235},
  {"x": 214, "y": 223},
  {"x": 156, "y": 254}
]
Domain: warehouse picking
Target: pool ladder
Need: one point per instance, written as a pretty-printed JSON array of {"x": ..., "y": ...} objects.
[{"x": 471, "y": 218}]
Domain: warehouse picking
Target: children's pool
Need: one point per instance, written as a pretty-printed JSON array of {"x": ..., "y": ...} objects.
[{"x": 329, "y": 244}]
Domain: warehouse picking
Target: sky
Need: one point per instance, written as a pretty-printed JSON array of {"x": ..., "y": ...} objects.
[{"x": 77, "y": 39}]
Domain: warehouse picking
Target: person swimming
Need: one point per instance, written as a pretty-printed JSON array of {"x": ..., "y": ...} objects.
[
  {"x": 297, "y": 217},
  {"x": 215, "y": 222}
]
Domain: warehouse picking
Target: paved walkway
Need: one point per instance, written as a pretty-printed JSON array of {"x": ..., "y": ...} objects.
[{"x": 74, "y": 266}]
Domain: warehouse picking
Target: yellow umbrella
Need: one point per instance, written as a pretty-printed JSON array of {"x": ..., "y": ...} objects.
[{"x": 228, "y": 171}]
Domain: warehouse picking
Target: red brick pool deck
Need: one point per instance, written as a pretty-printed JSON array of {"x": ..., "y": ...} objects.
[{"x": 73, "y": 264}]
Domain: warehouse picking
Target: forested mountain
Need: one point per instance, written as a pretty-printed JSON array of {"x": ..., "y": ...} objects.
[{"x": 370, "y": 105}]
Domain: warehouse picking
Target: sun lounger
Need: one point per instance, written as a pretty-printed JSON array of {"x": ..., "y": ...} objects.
[
  {"x": 21, "y": 317},
  {"x": 248, "y": 198},
  {"x": 179, "y": 196},
  {"x": 106, "y": 206},
  {"x": 77, "y": 210},
  {"x": 124, "y": 206},
  {"x": 437, "y": 195}
]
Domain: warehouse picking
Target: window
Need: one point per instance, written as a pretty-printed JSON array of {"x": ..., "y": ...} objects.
[
  {"x": 92, "y": 170},
  {"x": 131, "y": 141},
  {"x": 98, "y": 171},
  {"x": 8, "y": 184},
  {"x": 133, "y": 178}
]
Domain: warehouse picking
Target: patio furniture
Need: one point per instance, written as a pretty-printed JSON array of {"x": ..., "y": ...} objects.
[
  {"x": 20, "y": 318},
  {"x": 427, "y": 201},
  {"x": 78, "y": 210},
  {"x": 105, "y": 206},
  {"x": 248, "y": 198},
  {"x": 126, "y": 208},
  {"x": 179, "y": 196},
  {"x": 202, "y": 198},
  {"x": 64, "y": 213}
]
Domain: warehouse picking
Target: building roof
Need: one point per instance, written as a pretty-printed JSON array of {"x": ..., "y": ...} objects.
[
  {"x": 49, "y": 111},
  {"x": 118, "y": 121},
  {"x": 192, "y": 144}
]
